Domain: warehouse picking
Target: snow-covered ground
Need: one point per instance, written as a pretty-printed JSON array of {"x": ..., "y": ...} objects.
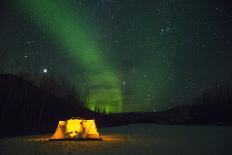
[{"x": 133, "y": 139}]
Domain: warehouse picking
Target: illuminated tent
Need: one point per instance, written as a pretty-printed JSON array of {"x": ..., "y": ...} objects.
[{"x": 76, "y": 128}]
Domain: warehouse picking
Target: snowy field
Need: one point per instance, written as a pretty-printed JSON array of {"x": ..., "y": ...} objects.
[{"x": 134, "y": 139}]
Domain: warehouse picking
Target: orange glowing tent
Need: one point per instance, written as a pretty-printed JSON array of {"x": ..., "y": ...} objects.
[{"x": 76, "y": 129}]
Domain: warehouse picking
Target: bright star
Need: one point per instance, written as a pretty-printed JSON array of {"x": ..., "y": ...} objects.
[{"x": 45, "y": 70}]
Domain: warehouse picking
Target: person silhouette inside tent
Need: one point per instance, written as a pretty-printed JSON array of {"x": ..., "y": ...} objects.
[{"x": 81, "y": 134}]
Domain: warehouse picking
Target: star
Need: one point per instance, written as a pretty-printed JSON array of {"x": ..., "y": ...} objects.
[{"x": 45, "y": 71}]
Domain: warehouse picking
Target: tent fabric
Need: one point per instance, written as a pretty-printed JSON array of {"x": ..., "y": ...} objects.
[{"x": 76, "y": 129}]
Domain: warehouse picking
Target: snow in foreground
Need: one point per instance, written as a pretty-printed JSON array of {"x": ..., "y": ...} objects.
[{"x": 131, "y": 139}]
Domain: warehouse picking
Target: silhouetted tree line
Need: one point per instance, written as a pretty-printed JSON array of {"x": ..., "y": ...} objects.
[
  {"x": 213, "y": 106},
  {"x": 30, "y": 103},
  {"x": 221, "y": 93},
  {"x": 3, "y": 62},
  {"x": 26, "y": 108},
  {"x": 100, "y": 109},
  {"x": 59, "y": 87}
]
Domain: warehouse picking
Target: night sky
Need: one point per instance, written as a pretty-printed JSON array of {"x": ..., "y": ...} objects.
[{"x": 130, "y": 55}]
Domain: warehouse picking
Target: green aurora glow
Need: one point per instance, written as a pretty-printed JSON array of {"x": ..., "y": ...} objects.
[
  {"x": 128, "y": 55},
  {"x": 66, "y": 28}
]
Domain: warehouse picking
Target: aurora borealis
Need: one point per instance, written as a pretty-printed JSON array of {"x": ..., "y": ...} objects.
[
  {"x": 130, "y": 55},
  {"x": 84, "y": 50}
]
